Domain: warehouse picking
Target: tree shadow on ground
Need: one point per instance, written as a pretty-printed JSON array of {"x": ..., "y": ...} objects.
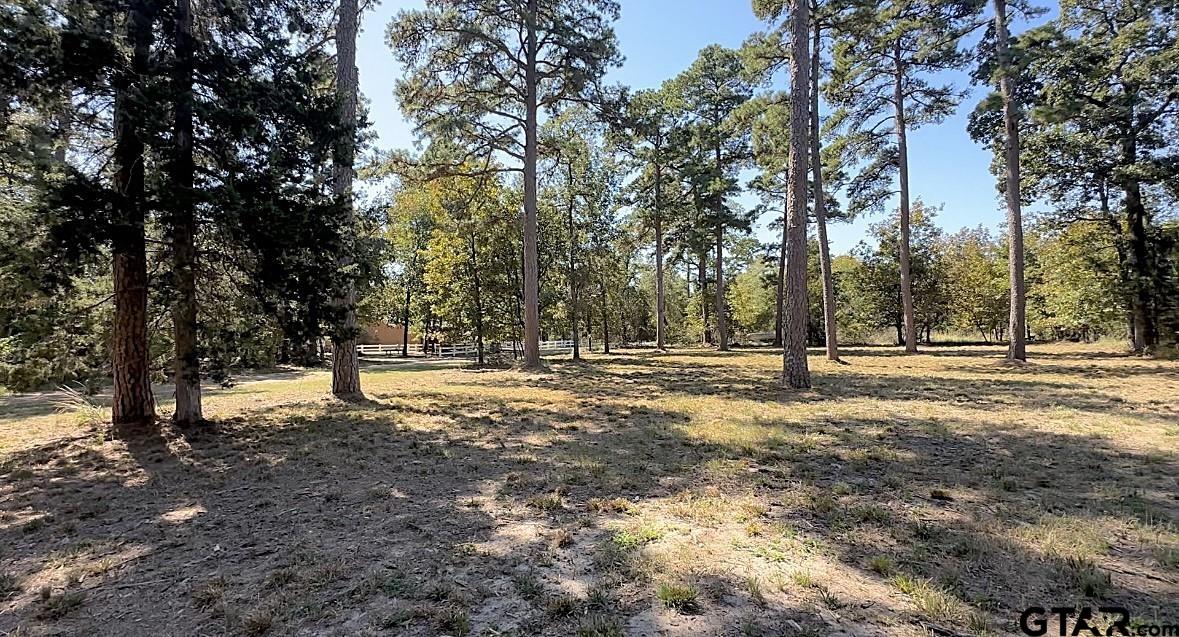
[
  {"x": 317, "y": 517},
  {"x": 485, "y": 504},
  {"x": 996, "y": 519},
  {"x": 637, "y": 377}
]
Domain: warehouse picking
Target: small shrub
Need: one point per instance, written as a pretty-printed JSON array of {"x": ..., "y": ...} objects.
[
  {"x": 824, "y": 506},
  {"x": 802, "y": 578},
  {"x": 528, "y": 586},
  {"x": 74, "y": 399},
  {"x": 1167, "y": 556},
  {"x": 926, "y": 530},
  {"x": 280, "y": 577},
  {"x": 827, "y": 598},
  {"x": 208, "y": 593},
  {"x": 636, "y": 537},
  {"x": 872, "y": 514},
  {"x": 562, "y": 606},
  {"x": 755, "y": 591},
  {"x": 600, "y": 598},
  {"x": 546, "y": 502},
  {"x": 679, "y": 597},
  {"x": 396, "y": 585},
  {"x": 453, "y": 620},
  {"x": 258, "y": 621},
  {"x": 882, "y": 564},
  {"x": 930, "y": 600},
  {"x": 1088, "y": 577}
]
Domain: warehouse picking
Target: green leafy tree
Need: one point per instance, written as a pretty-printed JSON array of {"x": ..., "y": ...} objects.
[
  {"x": 1075, "y": 281},
  {"x": 481, "y": 71},
  {"x": 651, "y": 120},
  {"x": 713, "y": 90},
  {"x": 766, "y": 53},
  {"x": 1098, "y": 141},
  {"x": 874, "y": 286},
  {"x": 978, "y": 285},
  {"x": 139, "y": 159},
  {"x": 883, "y": 84}
]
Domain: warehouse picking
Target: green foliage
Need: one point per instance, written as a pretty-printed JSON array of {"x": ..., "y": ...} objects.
[
  {"x": 875, "y": 43},
  {"x": 977, "y": 282},
  {"x": 465, "y": 66},
  {"x": 1097, "y": 143},
  {"x": 872, "y": 298},
  {"x": 1074, "y": 290}
]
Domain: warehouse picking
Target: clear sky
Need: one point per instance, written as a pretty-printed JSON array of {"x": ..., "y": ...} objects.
[{"x": 660, "y": 38}]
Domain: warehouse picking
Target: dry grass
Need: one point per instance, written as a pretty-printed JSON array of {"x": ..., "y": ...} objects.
[{"x": 677, "y": 494}]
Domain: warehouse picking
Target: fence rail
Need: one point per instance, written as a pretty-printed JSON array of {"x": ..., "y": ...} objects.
[{"x": 460, "y": 350}]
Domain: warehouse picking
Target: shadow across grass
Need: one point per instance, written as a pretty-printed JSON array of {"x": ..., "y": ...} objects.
[{"x": 491, "y": 501}]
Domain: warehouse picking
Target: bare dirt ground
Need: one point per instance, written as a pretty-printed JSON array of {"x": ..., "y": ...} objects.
[{"x": 638, "y": 494}]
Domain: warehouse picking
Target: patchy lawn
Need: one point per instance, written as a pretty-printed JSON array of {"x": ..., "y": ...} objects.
[{"x": 637, "y": 494}]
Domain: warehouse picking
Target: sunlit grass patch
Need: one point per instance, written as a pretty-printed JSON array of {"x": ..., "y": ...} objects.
[
  {"x": 679, "y": 597},
  {"x": 560, "y": 503},
  {"x": 638, "y": 535},
  {"x": 1066, "y": 536},
  {"x": 929, "y": 599}
]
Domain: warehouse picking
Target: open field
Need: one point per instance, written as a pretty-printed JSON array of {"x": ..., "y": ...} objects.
[{"x": 637, "y": 494}]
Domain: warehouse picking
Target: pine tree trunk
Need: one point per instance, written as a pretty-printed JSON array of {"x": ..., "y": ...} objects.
[
  {"x": 722, "y": 328},
  {"x": 345, "y": 360},
  {"x": 605, "y": 321},
  {"x": 795, "y": 372},
  {"x": 1017, "y": 321},
  {"x": 133, "y": 405},
  {"x": 478, "y": 290},
  {"x": 405, "y": 320},
  {"x": 903, "y": 161},
  {"x": 660, "y": 292},
  {"x": 187, "y": 373},
  {"x": 780, "y": 293},
  {"x": 531, "y": 268},
  {"x": 701, "y": 275},
  {"x": 572, "y": 268},
  {"x": 1145, "y": 335},
  {"x": 831, "y": 338}
]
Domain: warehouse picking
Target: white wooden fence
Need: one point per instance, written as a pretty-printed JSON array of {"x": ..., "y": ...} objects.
[{"x": 460, "y": 350}]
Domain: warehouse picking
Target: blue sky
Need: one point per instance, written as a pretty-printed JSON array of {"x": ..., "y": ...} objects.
[{"x": 660, "y": 38}]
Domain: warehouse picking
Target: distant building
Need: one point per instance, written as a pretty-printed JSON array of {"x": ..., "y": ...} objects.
[{"x": 383, "y": 334}]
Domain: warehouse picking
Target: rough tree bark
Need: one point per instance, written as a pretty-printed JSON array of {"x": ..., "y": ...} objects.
[
  {"x": 660, "y": 293},
  {"x": 478, "y": 290},
  {"x": 1145, "y": 334},
  {"x": 133, "y": 405},
  {"x": 531, "y": 274},
  {"x": 903, "y": 165},
  {"x": 187, "y": 370},
  {"x": 780, "y": 293},
  {"x": 795, "y": 372},
  {"x": 722, "y": 325},
  {"x": 831, "y": 338},
  {"x": 605, "y": 320},
  {"x": 701, "y": 282},
  {"x": 405, "y": 316},
  {"x": 345, "y": 361},
  {"x": 1017, "y": 320},
  {"x": 572, "y": 267}
]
